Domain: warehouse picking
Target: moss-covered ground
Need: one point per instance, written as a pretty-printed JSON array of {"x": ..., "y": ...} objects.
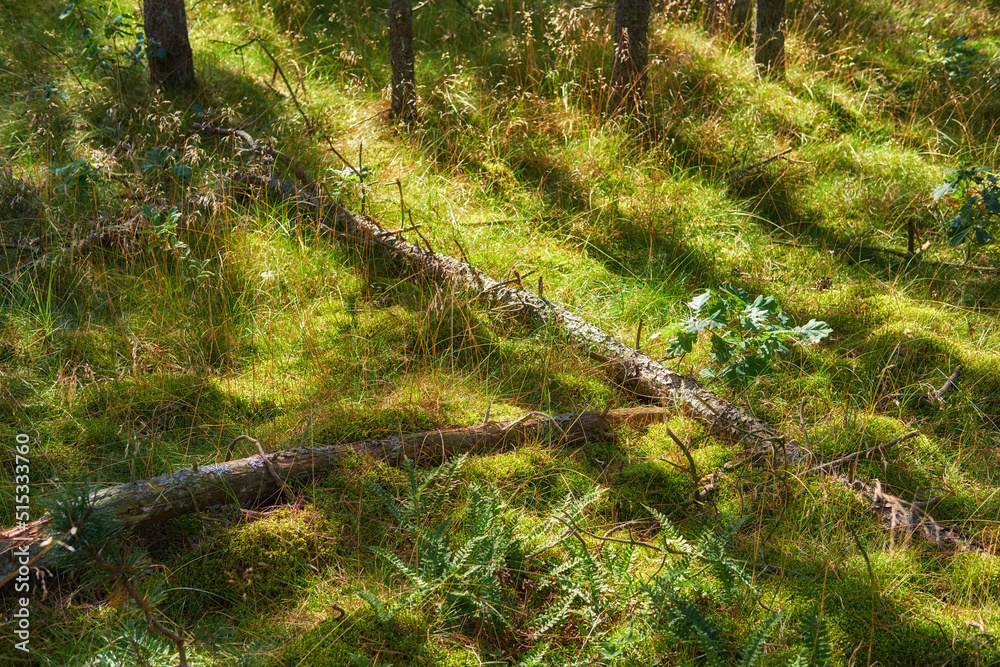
[{"x": 128, "y": 359}]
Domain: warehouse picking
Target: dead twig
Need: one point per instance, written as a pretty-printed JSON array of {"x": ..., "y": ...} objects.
[
  {"x": 867, "y": 452},
  {"x": 255, "y": 147},
  {"x": 569, "y": 523},
  {"x": 687, "y": 453},
  {"x": 915, "y": 255},
  {"x": 280, "y": 71},
  {"x": 126, "y": 582},
  {"x": 739, "y": 175},
  {"x": 932, "y": 396}
]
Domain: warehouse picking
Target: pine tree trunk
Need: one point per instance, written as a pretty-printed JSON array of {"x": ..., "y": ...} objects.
[
  {"x": 170, "y": 58},
  {"x": 404, "y": 88},
  {"x": 628, "y": 77},
  {"x": 769, "y": 37}
]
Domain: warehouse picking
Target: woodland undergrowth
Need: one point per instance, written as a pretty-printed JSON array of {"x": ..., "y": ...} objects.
[{"x": 151, "y": 312}]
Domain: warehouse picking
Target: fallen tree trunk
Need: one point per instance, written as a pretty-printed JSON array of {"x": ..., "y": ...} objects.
[
  {"x": 260, "y": 477},
  {"x": 642, "y": 376},
  {"x": 636, "y": 372},
  {"x": 910, "y": 519}
]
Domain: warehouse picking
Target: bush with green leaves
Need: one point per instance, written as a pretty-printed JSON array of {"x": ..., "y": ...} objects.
[
  {"x": 78, "y": 176},
  {"x": 978, "y": 190},
  {"x": 745, "y": 336},
  {"x": 163, "y": 229},
  {"x": 101, "y": 46},
  {"x": 166, "y": 161},
  {"x": 958, "y": 60}
]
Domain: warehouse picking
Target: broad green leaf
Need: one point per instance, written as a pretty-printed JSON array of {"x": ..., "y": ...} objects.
[
  {"x": 722, "y": 350},
  {"x": 943, "y": 190},
  {"x": 982, "y": 236},
  {"x": 959, "y": 236},
  {"x": 718, "y": 319},
  {"x": 814, "y": 331},
  {"x": 699, "y": 301}
]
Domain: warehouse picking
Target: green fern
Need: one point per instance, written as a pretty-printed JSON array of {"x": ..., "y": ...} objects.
[
  {"x": 816, "y": 650},
  {"x": 687, "y": 621},
  {"x": 753, "y": 648},
  {"x": 558, "y": 612},
  {"x": 672, "y": 540},
  {"x": 712, "y": 549},
  {"x": 463, "y": 582}
]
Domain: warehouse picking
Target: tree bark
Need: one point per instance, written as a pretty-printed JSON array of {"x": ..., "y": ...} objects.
[
  {"x": 404, "y": 87},
  {"x": 169, "y": 53},
  {"x": 769, "y": 37},
  {"x": 256, "y": 478},
  {"x": 628, "y": 76}
]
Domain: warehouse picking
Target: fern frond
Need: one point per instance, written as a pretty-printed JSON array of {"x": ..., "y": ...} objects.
[
  {"x": 400, "y": 511},
  {"x": 535, "y": 656},
  {"x": 691, "y": 619},
  {"x": 672, "y": 539},
  {"x": 754, "y": 645},
  {"x": 382, "y": 612},
  {"x": 572, "y": 507},
  {"x": 404, "y": 569},
  {"x": 816, "y": 648},
  {"x": 556, "y": 613}
]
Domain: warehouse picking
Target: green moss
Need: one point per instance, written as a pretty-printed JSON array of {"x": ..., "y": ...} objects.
[
  {"x": 277, "y": 549},
  {"x": 186, "y": 407},
  {"x": 121, "y": 366},
  {"x": 532, "y": 477},
  {"x": 651, "y": 483},
  {"x": 407, "y": 639}
]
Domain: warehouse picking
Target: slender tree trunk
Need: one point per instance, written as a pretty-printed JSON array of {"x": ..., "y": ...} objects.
[
  {"x": 170, "y": 58},
  {"x": 628, "y": 77},
  {"x": 404, "y": 87},
  {"x": 769, "y": 36},
  {"x": 256, "y": 478}
]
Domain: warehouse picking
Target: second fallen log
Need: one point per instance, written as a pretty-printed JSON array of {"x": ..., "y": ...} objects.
[{"x": 260, "y": 477}]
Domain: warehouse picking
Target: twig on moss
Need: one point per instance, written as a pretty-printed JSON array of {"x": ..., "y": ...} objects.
[
  {"x": 866, "y": 452},
  {"x": 301, "y": 175},
  {"x": 915, "y": 255},
  {"x": 935, "y": 396},
  {"x": 687, "y": 453},
  {"x": 569, "y": 523},
  {"x": 740, "y": 174},
  {"x": 402, "y": 208}
]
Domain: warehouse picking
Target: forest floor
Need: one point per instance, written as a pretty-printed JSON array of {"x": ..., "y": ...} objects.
[{"x": 150, "y": 314}]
